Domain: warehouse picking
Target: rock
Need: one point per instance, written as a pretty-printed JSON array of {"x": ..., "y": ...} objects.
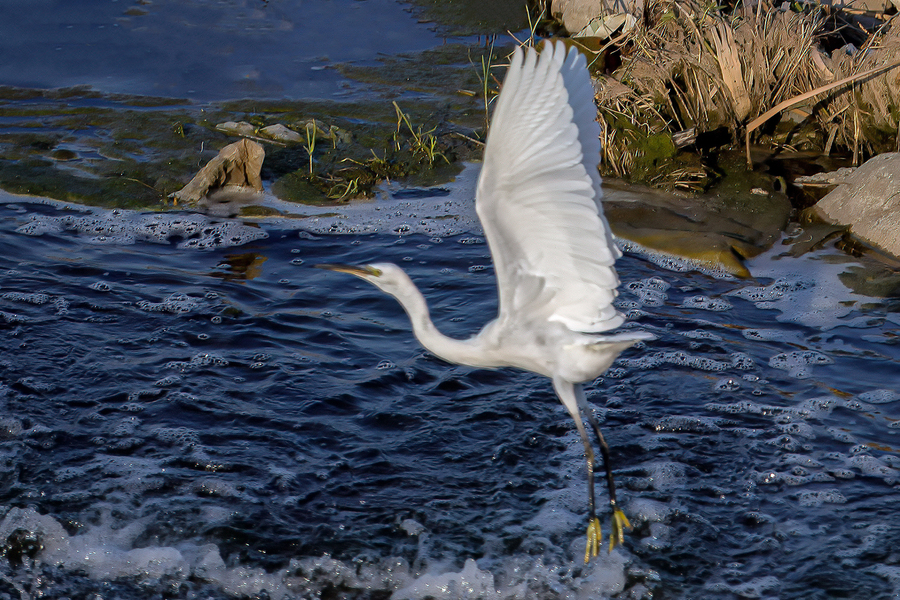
[
  {"x": 280, "y": 133},
  {"x": 237, "y": 128},
  {"x": 234, "y": 172},
  {"x": 828, "y": 178},
  {"x": 868, "y": 201},
  {"x": 721, "y": 230},
  {"x": 576, "y": 14}
]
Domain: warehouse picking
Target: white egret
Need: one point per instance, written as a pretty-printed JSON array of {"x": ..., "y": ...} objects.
[{"x": 538, "y": 199}]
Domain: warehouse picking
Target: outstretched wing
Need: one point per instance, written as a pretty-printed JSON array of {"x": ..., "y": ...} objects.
[{"x": 538, "y": 196}]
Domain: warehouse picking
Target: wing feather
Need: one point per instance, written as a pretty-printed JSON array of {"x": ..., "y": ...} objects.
[{"x": 538, "y": 196}]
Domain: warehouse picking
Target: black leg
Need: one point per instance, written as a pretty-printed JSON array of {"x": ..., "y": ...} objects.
[
  {"x": 589, "y": 457},
  {"x": 604, "y": 451},
  {"x": 572, "y": 397},
  {"x": 594, "y": 531},
  {"x": 619, "y": 520}
]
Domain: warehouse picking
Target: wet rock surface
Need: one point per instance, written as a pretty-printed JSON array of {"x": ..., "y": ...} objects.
[{"x": 868, "y": 200}]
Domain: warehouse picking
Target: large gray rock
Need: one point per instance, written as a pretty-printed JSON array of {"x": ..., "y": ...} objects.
[
  {"x": 868, "y": 200},
  {"x": 576, "y": 14}
]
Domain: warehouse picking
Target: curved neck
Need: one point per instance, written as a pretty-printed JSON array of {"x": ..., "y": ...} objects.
[{"x": 465, "y": 352}]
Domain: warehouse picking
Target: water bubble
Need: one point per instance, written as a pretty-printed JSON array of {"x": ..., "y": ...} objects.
[
  {"x": 10, "y": 427},
  {"x": 175, "y": 303},
  {"x": 802, "y": 430},
  {"x": 412, "y": 527},
  {"x": 650, "y": 291},
  {"x": 617, "y": 373},
  {"x": 727, "y": 385},
  {"x": 774, "y": 291},
  {"x": 702, "y": 334},
  {"x": 36, "y": 298},
  {"x": 706, "y": 303},
  {"x": 796, "y": 363},
  {"x": 13, "y": 318},
  {"x": 127, "y": 227},
  {"x": 182, "y": 436},
  {"x": 880, "y": 396},
  {"x": 841, "y": 435},
  {"x": 182, "y": 398},
  {"x": 678, "y": 424},
  {"x": 741, "y": 361},
  {"x": 676, "y": 357},
  {"x": 198, "y": 362},
  {"x": 126, "y": 426},
  {"x": 817, "y": 498}
]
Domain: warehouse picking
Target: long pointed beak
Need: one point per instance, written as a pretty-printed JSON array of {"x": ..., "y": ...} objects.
[{"x": 358, "y": 270}]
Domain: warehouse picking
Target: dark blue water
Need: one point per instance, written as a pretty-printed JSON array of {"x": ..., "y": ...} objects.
[
  {"x": 187, "y": 423},
  {"x": 203, "y": 49}
]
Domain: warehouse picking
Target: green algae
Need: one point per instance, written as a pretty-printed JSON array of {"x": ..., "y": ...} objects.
[
  {"x": 474, "y": 17},
  {"x": 131, "y": 152}
]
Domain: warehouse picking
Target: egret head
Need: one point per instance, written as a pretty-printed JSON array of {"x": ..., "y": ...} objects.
[{"x": 387, "y": 277}]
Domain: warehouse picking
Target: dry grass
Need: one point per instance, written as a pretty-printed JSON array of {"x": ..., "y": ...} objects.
[
  {"x": 689, "y": 65},
  {"x": 865, "y": 117},
  {"x": 712, "y": 70}
]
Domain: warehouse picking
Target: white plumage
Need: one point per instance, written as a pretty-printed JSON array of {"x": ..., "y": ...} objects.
[{"x": 538, "y": 199}]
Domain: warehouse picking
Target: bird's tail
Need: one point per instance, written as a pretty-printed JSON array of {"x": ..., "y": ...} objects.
[{"x": 623, "y": 336}]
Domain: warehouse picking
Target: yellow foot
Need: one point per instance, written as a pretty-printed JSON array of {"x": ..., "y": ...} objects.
[
  {"x": 594, "y": 537},
  {"x": 619, "y": 522}
]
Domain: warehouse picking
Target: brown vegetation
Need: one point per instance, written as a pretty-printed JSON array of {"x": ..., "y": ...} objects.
[{"x": 697, "y": 75}]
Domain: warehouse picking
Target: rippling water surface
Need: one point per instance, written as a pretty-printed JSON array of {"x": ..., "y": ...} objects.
[
  {"x": 189, "y": 410},
  {"x": 203, "y": 49}
]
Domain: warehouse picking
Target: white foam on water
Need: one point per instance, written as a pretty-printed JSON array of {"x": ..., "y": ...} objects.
[
  {"x": 701, "y": 302},
  {"x": 890, "y": 573},
  {"x": 676, "y": 357},
  {"x": 773, "y": 335},
  {"x": 197, "y": 362},
  {"x": 549, "y": 561},
  {"x": 36, "y": 298},
  {"x": 881, "y": 396},
  {"x": 648, "y": 292},
  {"x": 684, "y": 424},
  {"x": 702, "y": 334},
  {"x": 752, "y": 589},
  {"x": 678, "y": 264},
  {"x": 664, "y": 476},
  {"x": 448, "y": 211},
  {"x": 820, "y": 497},
  {"x": 107, "y": 553},
  {"x": 175, "y": 303},
  {"x": 799, "y": 363},
  {"x": 125, "y": 227},
  {"x": 806, "y": 289}
]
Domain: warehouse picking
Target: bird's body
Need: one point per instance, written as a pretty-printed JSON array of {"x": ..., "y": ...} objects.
[{"x": 538, "y": 199}]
